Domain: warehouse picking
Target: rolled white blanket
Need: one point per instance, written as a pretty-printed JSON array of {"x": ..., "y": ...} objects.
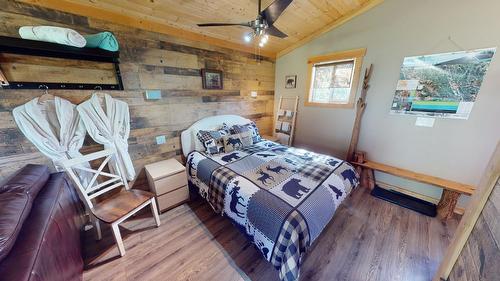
[{"x": 53, "y": 34}]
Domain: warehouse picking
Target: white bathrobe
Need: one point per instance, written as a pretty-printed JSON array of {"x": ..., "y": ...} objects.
[
  {"x": 55, "y": 128},
  {"x": 110, "y": 127}
]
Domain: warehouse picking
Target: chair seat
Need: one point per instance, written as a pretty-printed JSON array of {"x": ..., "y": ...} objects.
[{"x": 120, "y": 204}]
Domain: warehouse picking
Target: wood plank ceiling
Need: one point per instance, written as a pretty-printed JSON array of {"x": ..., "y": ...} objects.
[{"x": 303, "y": 20}]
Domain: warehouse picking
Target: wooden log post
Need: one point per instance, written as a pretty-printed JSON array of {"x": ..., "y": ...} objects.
[
  {"x": 367, "y": 175},
  {"x": 447, "y": 204},
  {"x": 360, "y": 109},
  {"x": 370, "y": 175}
]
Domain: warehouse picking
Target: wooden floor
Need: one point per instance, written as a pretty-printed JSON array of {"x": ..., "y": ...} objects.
[{"x": 368, "y": 239}]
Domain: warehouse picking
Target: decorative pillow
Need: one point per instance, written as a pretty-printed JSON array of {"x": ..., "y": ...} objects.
[
  {"x": 212, "y": 140},
  {"x": 237, "y": 141},
  {"x": 252, "y": 127},
  {"x": 225, "y": 127}
]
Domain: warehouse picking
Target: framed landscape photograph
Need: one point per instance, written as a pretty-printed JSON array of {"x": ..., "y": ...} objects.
[
  {"x": 212, "y": 79},
  {"x": 441, "y": 85},
  {"x": 290, "y": 81}
]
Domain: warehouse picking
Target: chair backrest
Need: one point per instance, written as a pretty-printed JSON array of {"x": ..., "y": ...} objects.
[{"x": 93, "y": 188}]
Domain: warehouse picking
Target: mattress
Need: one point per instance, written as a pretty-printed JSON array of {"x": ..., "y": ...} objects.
[{"x": 280, "y": 197}]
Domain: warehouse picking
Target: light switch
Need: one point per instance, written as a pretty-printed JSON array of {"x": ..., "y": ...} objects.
[
  {"x": 161, "y": 140},
  {"x": 253, "y": 94}
]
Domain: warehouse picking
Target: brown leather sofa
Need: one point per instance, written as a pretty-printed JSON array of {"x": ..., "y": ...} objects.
[{"x": 40, "y": 227}]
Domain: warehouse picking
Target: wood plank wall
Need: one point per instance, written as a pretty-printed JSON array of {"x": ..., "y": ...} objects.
[
  {"x": 148, "y": 61},
  {"x": 480, "y": 257}
]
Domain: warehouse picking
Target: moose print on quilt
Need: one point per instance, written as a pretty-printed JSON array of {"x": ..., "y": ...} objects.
[
  {"x": 237, "y": 195},
  {"x": 281, "y": 197}
]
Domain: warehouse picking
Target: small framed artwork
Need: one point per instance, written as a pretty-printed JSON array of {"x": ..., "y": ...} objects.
[
  {"x": 290, "y": 81},
  {"x": 212, "y": 79}
]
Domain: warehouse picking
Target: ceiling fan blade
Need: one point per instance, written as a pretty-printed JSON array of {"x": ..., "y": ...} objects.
[
  {"x": 273, "y": 31},
  {"x": 273, "y": 11},
  {"x": 224, "y": 24}
]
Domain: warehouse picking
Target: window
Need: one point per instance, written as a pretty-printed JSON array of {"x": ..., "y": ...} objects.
[{"x": 333, "y": 79}]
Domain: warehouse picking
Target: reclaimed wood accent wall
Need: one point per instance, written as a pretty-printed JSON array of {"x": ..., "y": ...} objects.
[
  {"x": 479, "y": 259},
  {"x": 148, "y": 61}
]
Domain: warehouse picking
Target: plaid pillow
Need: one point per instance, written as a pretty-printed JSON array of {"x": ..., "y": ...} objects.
[
  {"x": 225, "y": 127},
  {"x": 237, "y": 141},
  {"x": 252, "y": 127},
  {"x": 212, "y": 140}
]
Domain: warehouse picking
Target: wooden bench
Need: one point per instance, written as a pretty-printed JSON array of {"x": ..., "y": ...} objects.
[{"x": 451, "y": 189}]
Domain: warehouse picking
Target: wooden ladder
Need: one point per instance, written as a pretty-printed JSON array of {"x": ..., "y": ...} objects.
[{"x": 288, "y": 104}]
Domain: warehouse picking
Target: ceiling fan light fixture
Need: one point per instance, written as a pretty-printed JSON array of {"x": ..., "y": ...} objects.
[
  {"x": 262, "y": 27},
  {"x": 264, "y": 38},
  {"x": 248, "y": 37}
]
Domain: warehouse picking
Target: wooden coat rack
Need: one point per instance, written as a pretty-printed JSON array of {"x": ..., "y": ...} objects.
[{"x": 18, "y": 46}]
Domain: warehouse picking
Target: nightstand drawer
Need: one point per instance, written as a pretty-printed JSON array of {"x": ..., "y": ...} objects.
[
  {"x": 173, "y": 198},
  {"x": 170, "y": 183}
]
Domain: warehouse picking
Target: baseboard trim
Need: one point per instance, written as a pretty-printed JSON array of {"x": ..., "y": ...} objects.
[{"x": 384, "y": 185}]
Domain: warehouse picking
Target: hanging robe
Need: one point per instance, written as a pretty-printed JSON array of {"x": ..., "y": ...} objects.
[
  {"x": 55, "y": 128},
  {"x": 109, "y": 126}
]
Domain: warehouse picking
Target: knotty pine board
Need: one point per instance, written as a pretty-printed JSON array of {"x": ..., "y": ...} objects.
[
  {"x": 479, "y": 259},
  {"x": 148, "y": 61}
]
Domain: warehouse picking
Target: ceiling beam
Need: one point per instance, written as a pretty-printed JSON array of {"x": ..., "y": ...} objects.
[
  {"x": 144, "y": 24},
  {"x": 336, "y": 23}
]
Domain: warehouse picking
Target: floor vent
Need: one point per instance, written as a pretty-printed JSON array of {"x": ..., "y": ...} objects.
[{"x": 406, "y": 201}]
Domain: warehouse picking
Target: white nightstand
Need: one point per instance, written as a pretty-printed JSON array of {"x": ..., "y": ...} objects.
[{"x": 168, "y": 180}]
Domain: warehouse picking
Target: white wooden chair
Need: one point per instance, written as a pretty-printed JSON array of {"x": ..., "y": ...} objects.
[{"x": 119, "y": 206}]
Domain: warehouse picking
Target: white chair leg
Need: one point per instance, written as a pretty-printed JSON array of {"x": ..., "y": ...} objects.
[
  {"x": 118, "y": 238},
  {"x": 97, "y": 226},
  {"x": 154, "y": 210}
]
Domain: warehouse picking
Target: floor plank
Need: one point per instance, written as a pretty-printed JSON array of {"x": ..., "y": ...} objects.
[{"x": 368, "y": 239}]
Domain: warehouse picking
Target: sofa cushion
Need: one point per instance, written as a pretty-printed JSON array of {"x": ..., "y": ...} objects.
[
  {"x": 16, "y": 199},
  {"x": 48, "y": 247}
]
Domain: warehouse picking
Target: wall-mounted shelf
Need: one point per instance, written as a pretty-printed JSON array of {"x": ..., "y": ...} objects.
[{"x": 19, "y": 46}]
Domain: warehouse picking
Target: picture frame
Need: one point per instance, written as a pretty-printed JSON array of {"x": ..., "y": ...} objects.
[
  {"x": 290, "y": 81},
  {"x": 435, "y": 85},
  {"x": 212, "y": 79}
]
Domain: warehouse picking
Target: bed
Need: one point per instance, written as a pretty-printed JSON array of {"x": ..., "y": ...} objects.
[{"x": 280, "y": 197}]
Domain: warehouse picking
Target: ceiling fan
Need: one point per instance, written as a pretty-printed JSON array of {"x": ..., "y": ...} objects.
[{"x": 263, "y": 25}]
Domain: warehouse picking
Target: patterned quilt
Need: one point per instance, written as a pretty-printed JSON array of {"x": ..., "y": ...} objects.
[{"x": 281, "y": 197}]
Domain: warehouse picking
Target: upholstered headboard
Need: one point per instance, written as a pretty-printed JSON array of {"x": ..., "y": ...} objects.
[{"x": 189, "y": 140}]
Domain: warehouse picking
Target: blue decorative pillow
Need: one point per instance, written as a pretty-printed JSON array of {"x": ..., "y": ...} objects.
[
  {"x": 252, "y": 127},
  {"x": 237, "y": 141},
  {"x": 213, "y": 140},
  {"x": 225, "y": 127}
]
